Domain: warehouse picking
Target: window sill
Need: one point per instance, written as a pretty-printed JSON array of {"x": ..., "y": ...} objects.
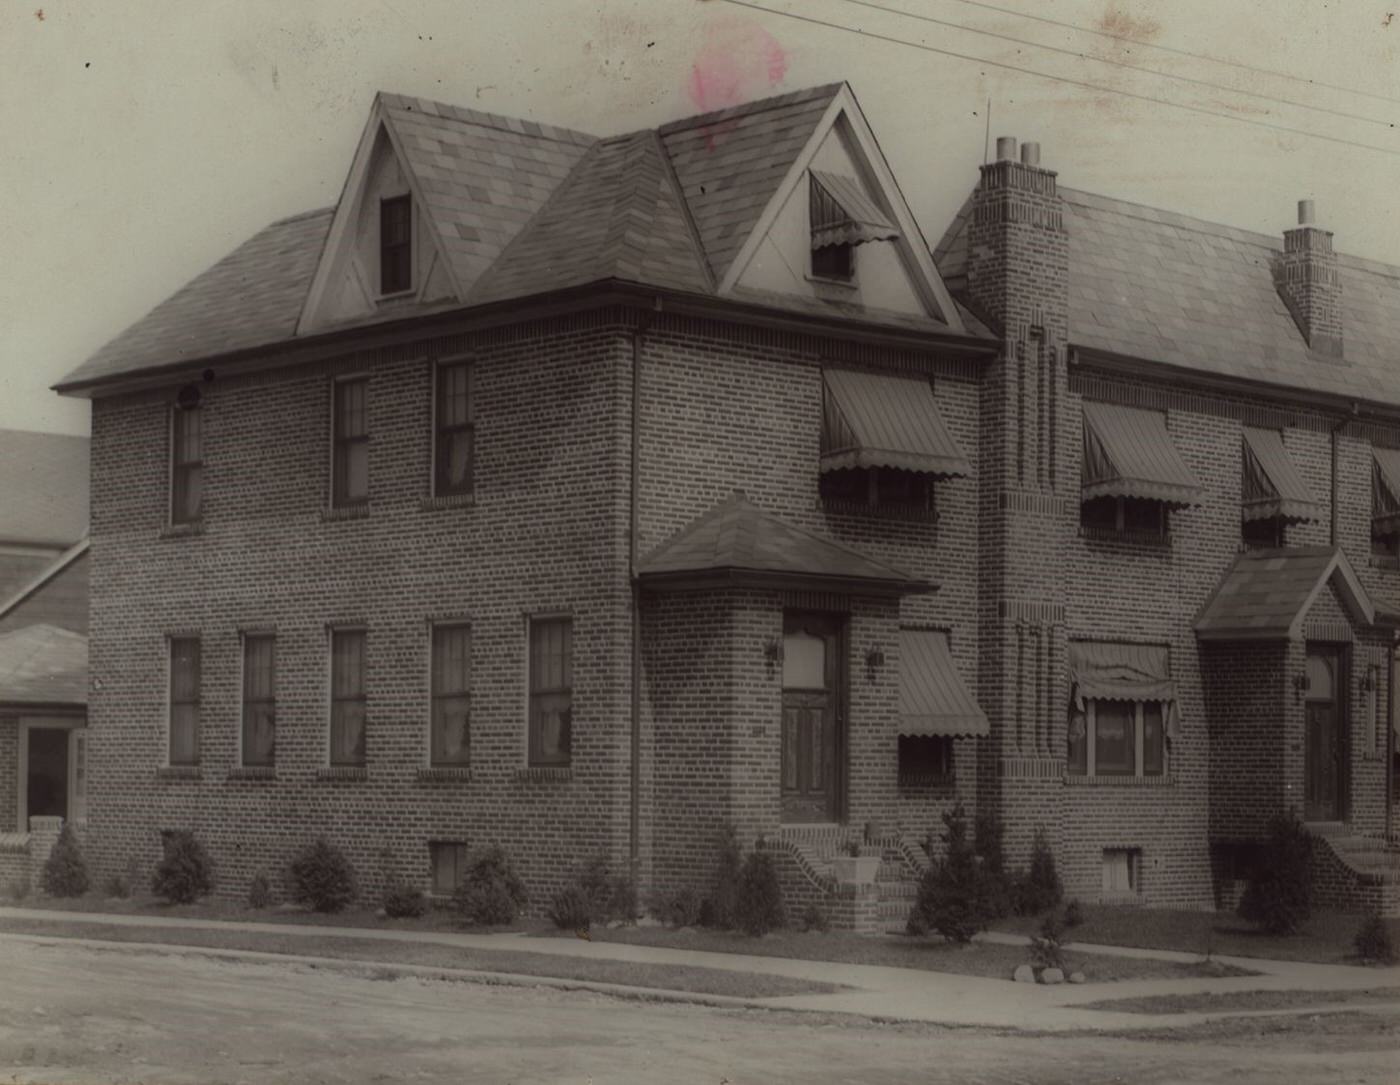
[
  {"x": 448, "y": 501},
  {"x": 182, "y": 531},
  {"x": 841, "y": 507},
  {"x": 1165, "y": 780},
  {"x": 342, "y": 772},
  {"x": 178, "y": 772},
  {"x": 442, "y": 774},
  {"x": 542, "y": 774},
  {"x": 845, "y": 284},
  {"x": 927, "y": 783},
  {"x": 346, "y": 512},
  {"x": 1144, "y": 540},
  {"x": 253, "y": 772},
  {"x": 397, "y": 297}
]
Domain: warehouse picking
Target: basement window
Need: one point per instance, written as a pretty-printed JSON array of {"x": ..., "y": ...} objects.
[
  {"x": 1121, "y": 872},
  {"x": 449, "y": 862},
  {"x": 925, "y": 760}
]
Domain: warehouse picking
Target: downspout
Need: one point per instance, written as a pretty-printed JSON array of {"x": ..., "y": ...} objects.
[
  {"x": 1336, "y": 430},
  {"x": 1394, "y": 664},
  {"x": 634, "y": 830}
]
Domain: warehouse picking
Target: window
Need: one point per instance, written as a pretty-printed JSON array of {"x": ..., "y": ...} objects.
[
  {"x": 551, "y": 690},
  {"x": 452, "y": 658},
  {"x": 396, "y": 245},
  {"x": 1129, "y": 518},
  {"x": 453, "y": 433},
  {"x": 350, "y": 470},
  {"x": 186, "y": 464},
  {"x": 1117, "y": 738},
  {"x": 449, "y": 860},
  {"x": 925, "y": 760},
  {"x": 184, "y": 701},
  {"x": 347, "y": 697},
  {"x": 876, "y": 488},
  {"x": 1269, "y": 533},
  {"x": 1120, "y": 871},
  {"x": 834, "y": 262},
  {"x": 259, "y": 699}
]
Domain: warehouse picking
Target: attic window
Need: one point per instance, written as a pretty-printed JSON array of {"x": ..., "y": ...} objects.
[
  {"x": 842, "y": 217},
  {"x": 395, "y": 245}
]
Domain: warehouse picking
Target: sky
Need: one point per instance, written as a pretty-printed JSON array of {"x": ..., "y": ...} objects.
[{"x": 145, "y": 140}]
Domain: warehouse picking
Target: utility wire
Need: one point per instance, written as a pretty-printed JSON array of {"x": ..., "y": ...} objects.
[
  {"x": 1178, "y": 52},
  {"x": 1096, "y": 87},
  {"x": 1118, "y": 63}
]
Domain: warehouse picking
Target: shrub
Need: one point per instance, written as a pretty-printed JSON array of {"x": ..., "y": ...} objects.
[
  {"x": 19, "y": 890},
  {"x": 401, "y": 900},
  {"x": 1039, "y": 889},
  {"x": 1278, "y": 897},
  {"x": 611, "y": 897},
  {"x": 321, "y": 876},
  {"x": 65, "y": 873},
  {"x": 1372, "y": 941},
  {"x": 815, "y": 919},
  {"x": 1074, "y": 913},
  {"x": 681, "y": 908},
  {"x": 758, "y": 903},
  {"x": 724, "y": 889},
  {"x": 955, "y": 893},
  {"x": 490, "y": 893},
  {"x": 259, "y": 892},
  {"x": 185, "y": 872},
  {"x": 571, "y": 909},
  {"x": 1047, "y": 947},
  {"x": 116, "y": 886},
  {"x": 987, "y": 844}
]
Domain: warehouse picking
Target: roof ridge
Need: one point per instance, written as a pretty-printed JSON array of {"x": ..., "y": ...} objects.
[
  {"x": 302, "y": 215},
  {"x": 501, "y": 122},
  {"x": 744, "y": 109}
]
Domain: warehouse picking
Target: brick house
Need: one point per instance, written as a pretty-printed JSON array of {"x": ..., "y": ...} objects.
[
  {"x": 43, "y": 643},
  {"x": 588, "y": 495}
]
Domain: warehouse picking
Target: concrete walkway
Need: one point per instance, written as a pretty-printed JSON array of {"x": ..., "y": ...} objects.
[{"x": 875, "y": 991}]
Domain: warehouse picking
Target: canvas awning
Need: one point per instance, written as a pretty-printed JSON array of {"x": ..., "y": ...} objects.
[
  {"x": 932, "y": 697},
  {"x": 1385, "y": 490},
  {"x": 842, "y": 214},
  {"x": 1272, "y": 485},
  {"x": 1129, "y": 453},
  {"x": 878, "y": 420},
  {"x": 1113, "y": 671}
]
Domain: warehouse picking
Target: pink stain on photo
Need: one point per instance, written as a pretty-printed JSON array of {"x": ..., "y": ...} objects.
[{"x": 739, "y": 61}]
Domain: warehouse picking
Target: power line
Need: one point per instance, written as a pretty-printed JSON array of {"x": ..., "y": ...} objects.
[
  {"x": 1178, "y": 52},
  {"x": 1096, "y": 87},
  {"x": 1118, "y": 63}
]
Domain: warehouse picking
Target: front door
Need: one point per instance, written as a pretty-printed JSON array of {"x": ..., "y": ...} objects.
[
  {"x": 47, "y": 790},
  {"x": 1322, "y": 762},
  {"x": 812, "y": 718}
]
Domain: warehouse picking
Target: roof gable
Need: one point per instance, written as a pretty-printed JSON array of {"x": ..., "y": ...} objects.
[
  {"x": 1266, "y": 595},
  {"x": 43, "y": 488},
  {"x": 42, "y": 664}
]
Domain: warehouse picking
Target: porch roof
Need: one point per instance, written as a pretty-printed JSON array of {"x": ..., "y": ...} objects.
[
  {"x": 1266, "y": 594},
  {"x": 878, "y": 420},
  {"x": 1129, "y": 453},
  {"x": 42, "y": 664},
  {"x": 736, "y": 544},
  {"x": 933, "y": 700}
]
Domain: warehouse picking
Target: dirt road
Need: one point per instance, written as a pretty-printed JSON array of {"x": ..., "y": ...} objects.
[{"x": 75, "y": 1014}]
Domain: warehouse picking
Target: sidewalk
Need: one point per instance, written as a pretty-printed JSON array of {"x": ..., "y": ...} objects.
[{"x": 880, "y": 992}]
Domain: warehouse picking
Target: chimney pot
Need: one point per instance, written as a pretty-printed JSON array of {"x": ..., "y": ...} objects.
[
  {"x": 1006, "y": 148},
  {"x": 1306, "y": 213},
  {"x": 1030, "y": 153}
]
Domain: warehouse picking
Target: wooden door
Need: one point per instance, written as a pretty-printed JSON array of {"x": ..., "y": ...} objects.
[
  {"x": 812, "y": 740},
  {"x": 1322, "y": 761}
]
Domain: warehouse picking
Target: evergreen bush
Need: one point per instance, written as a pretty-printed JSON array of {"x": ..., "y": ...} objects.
[
  {"x": 185, "y": 872},
  {"x": 758, "y": 903},
  {"x": 321, "y": 876},
  {"x": 814, "y": 918},
  {"x": 259, "y": 892},
  {"x": 65, "y": 872},
  {"x": 681, "y": 908},
  {"x": 401, "y": 900},
  {"x": 1278, "y": 896},
  {"x": 490, "y": 894},
  {"x": 572, "y": 909},
  {"x": 955, "y": 894},
  {"x": 722, "y": 902},
  {"x": 987, "y": 837},
  {"x": 1373, "y": 943},
  {"x": 1039, "y": 889},
  {"x": 1047, "y": 949},
  {"x": 1074, "y": 913}
]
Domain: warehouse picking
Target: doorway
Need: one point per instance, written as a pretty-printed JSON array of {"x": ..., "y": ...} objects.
[
  {"x": 813, "y": 737},
  {"x": 1324, "y": 721},
  {"x": 52, "y": 769}
]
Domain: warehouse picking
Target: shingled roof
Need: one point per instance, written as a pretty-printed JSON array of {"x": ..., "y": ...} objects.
[
  {"x": 43, "y": 488},
  {"x": 1165, "y": 287},
  {"x": 42, "y": 664}
]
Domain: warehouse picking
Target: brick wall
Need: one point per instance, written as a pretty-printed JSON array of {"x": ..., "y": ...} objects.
[{"x": 9, "y": 775}]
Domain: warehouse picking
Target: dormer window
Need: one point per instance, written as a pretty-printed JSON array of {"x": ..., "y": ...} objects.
[
  {"x": 396, "y": 245},
  {"x": 842, "y": 217}
]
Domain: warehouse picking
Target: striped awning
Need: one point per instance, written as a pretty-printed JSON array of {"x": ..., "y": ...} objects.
[
  {"x": 1129, "y": 453},
  {"x": 1272, "y": 486},
  {"x": 879, "y": 420},
  {"x": 932, "y": 698},
  {"x": 1385, "y": 490},
  {"x": 842, "y": 214},
  {"x": 1113, "y": 671}
]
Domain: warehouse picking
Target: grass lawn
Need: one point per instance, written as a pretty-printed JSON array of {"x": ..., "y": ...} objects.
[
  {"x": 1326, "y": 939},
  {"x": 901, "y": 951},
  {"x": 696, "y": 980},
  {"x": 1235, "y": 1001}
]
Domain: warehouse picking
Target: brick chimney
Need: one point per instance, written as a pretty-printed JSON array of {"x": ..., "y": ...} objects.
[{"x": 1307, "y": 281}]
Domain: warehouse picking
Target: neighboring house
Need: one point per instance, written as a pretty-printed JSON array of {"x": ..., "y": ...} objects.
[
  {"x": 585, "y": 495},
  {"x": 43, "y": 635}
]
